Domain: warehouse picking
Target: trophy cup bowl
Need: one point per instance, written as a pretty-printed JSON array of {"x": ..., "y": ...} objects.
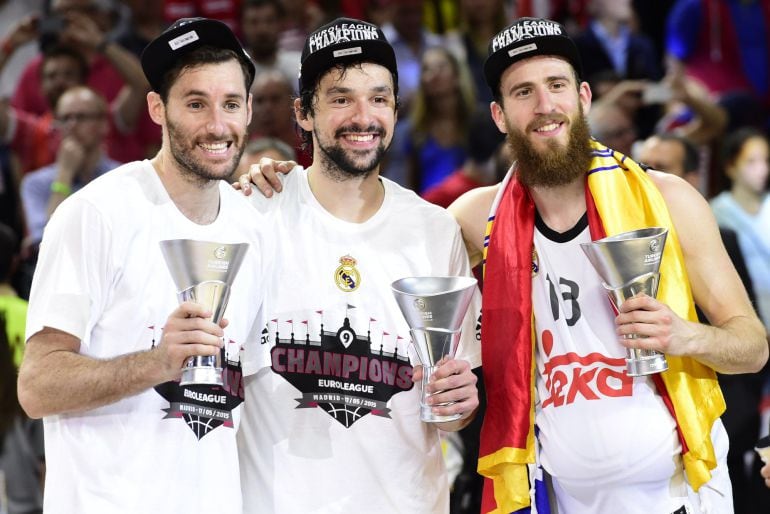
[
  {"x": 629, "y": 264},
  {"x": 434, "y": 309},
  {"x": 203, "y": 272}
]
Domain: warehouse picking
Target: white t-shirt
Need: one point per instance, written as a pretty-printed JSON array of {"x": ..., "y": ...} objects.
[
  {"x": 102, "y": 278},
  {"x": 331, "y": 421},
  {"x": 607, "y": 439}
]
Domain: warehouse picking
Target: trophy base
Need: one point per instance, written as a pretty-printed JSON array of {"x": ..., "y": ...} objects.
[
  {"x": 201, "y": 375},
  {"x": 428, "y": 416},
  {"x": 646, "y": 366}
]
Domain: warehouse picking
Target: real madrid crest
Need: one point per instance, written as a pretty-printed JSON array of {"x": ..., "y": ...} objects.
[
  {"x": 535, "y": 262},
  {"x": 346, "y": 276}
]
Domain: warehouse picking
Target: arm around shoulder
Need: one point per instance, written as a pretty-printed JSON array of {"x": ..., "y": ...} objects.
[
  {"x": 471, "y": 210},
  {"x": 736, "y": 341}
]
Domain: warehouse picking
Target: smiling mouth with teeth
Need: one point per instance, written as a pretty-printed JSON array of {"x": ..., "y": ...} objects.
[
  {"x": 361, "y": 138},
  {"x": 215, "y": 147}
]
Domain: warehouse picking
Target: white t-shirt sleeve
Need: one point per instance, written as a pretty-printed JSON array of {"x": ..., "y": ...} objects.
[{"x": 73, "y": 269}]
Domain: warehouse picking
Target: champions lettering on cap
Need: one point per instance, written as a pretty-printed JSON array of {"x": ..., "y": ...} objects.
[
  {"x": 183, "y": 36},
  {"x": 344, "y": 41},
  {"x": 525, "y": 38}
]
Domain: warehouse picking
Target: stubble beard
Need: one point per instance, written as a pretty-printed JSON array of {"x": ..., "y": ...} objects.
[
  {"x": 337, "y": 163},
  {"x": 193, "y": 169},
  {"x": 557, "y": 165}
]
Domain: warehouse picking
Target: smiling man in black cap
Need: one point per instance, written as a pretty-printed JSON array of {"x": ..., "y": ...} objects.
[
  {"x": 553, "y": 348},
  {"x": 106, "y": 337},
  {"x": 332, "y": 421}
]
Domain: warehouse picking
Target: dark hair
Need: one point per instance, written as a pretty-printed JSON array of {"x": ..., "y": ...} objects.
[
  {"x": 691, "y": 157},
  {"x": 56, "y": 51},
  {"x": 253, "y": 4},
  {"x": 307, "y": 98},
  {"x": 202, "y": 55},
  {"x": 733, "y": 143}
]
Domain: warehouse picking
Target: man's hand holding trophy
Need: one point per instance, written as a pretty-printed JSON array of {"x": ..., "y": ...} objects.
[{"x": 434, "y": 308}]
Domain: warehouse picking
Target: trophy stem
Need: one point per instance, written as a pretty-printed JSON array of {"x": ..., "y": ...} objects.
[{"x": 426, "y": 411}]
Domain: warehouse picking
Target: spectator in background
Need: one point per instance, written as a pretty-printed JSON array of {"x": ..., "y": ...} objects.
[
  {"x": 145, "y": 22},
  {"x": 479, "y": 21},
  {"x": 82, "y": 120},
  {"x": 432, "y": 142},
  {"x": 33, "y": 138},
  {"x": 302, "y": 17},
  {"x": 272, "y": 111},
  {"x": 256, "y": 149},
  {"x": 672, "y": 154},
  {"x": 723, "y": 44},
  {"x": 12, "y": 308},
  {"x": 612, "y": 125},
  {"x": 21, "y": 439},
  {"x": 610, "y": 43},
  {"x": 84, "y": 25},
  {"x": 225, "y": 11},
  {"x": 410, "y": 40},
  {"x": 10, "y": 203},
  {"x": 746, "y": 207},
  {"x": 261, "y": 23},
  {"x": 486, "y": 159},
  {"x": 11, "y": 11}
]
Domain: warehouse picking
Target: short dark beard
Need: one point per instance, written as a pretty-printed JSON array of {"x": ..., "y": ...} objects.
[
  {"x": 193, "y": 170},
  {"x": 336, "y": 163},
  {"x": 558, "y": 165}
]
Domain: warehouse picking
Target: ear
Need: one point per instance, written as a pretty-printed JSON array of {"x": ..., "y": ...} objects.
[
  {"x": 248, "y": 109},
  {"x": 585, "y": 95},
  {"x": 156, "y": 108},
  {"x": 304, "y": 121},
  {"x": 498, "y": 116}
]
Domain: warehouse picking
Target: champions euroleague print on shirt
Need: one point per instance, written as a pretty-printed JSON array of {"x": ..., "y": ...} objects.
[
  {"x": 205, "y": 407},
  {"x": 346, "y": 374}
]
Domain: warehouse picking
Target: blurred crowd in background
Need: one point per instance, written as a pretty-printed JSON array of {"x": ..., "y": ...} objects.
[{"x": 682, "y": 86}]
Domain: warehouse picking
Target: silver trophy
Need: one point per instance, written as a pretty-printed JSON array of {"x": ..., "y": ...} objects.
[
  {"x": 434, "y": 308},
  {"x": 628, "y": 265},
  {"x": 203, "y": 272}
]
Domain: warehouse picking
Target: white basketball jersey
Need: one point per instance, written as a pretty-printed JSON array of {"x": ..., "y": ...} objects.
[{"x": 607, "y": 439}]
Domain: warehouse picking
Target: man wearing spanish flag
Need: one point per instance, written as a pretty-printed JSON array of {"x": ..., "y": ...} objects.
[{"x": 567, "y": 430}]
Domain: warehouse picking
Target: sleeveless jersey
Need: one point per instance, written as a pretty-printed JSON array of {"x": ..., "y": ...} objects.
[{"x": 606, "y": 439}]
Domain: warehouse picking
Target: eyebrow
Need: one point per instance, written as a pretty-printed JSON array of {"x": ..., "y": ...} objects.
[
  {"x": 197, "y": 92},
  {"x": 346, "y": 90},
  {"x": 530, "y": 83}
]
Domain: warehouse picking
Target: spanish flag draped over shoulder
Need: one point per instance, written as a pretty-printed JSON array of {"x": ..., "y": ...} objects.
[{"x": 620, "y": 197}]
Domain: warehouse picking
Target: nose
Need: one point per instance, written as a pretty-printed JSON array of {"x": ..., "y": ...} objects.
[
  {"x": 362, "y": 114},
  {"x": 215, "y": 124},
  {"x": 544, "y": 101}
]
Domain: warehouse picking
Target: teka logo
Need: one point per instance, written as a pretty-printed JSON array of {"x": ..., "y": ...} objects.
[
  {"x": 591, "y": 377},
  {"x": 343, "y": 374}
]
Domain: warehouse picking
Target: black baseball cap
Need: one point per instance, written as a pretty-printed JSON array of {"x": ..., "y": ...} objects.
[
  {"x": 342, "y": 41},
  {"x": 183, "y": 36},
  {"x": 525, "y": 38}
]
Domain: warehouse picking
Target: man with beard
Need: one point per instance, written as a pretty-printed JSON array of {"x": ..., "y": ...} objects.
[
  {"x": 332, "y": 418},
  {"x": 106, "y": 337},
  {"x": 565, "y": 423}
]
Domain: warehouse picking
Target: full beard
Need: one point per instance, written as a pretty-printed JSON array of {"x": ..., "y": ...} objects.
[
  {"x": 557, "y": 165},
  {"x": 193, "y": 169},
  {"x": 341, "y": 164}
]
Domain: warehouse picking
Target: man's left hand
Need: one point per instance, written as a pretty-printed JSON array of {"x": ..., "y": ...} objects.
[
  {"x": 452, "y": 381},
  {"x": 656, "y": 326}
]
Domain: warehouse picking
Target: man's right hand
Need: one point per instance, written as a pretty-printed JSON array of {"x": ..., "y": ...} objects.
[
  {"x": 188, "y": 332},
  {"x": 264, "y": 176}
]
